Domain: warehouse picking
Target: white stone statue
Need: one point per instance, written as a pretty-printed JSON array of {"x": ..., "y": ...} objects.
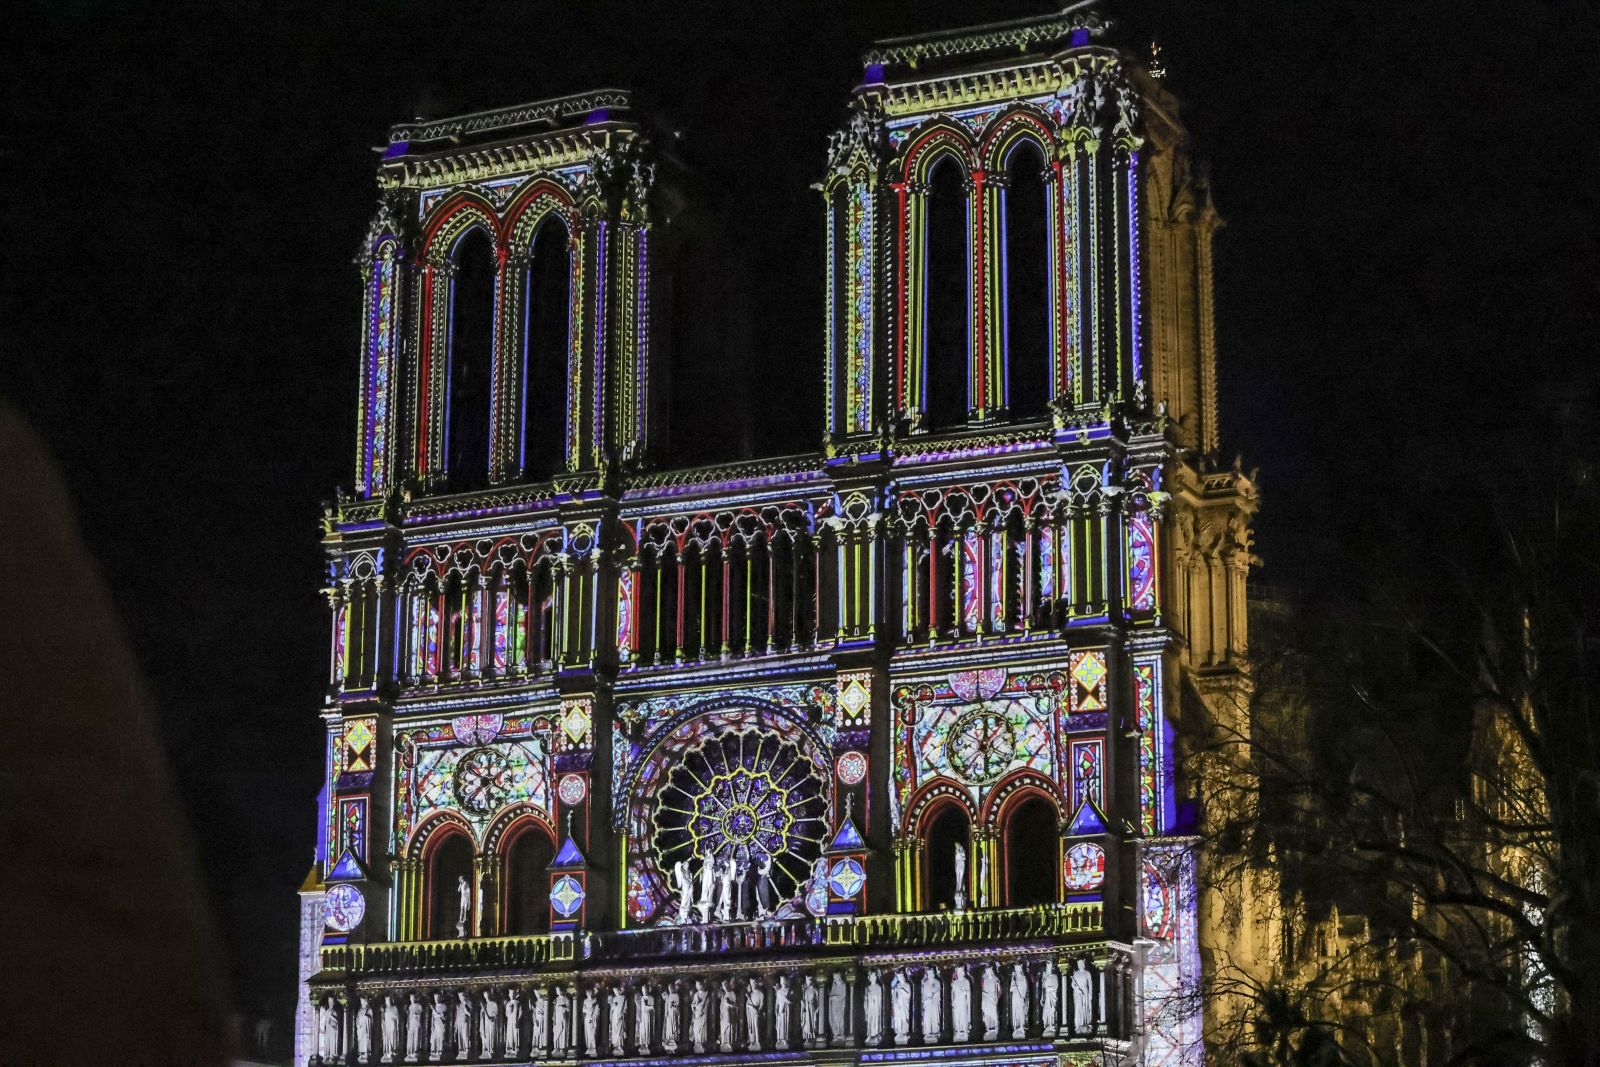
[
  {"x": 699, "y": 1009},
  {"x": 685, "y": 883},
  {"x": 538, "y": 1042},
  {"x": 989, "y": 994},
  {"x": 708, "y": 888},
  {"x": 616, "y": 1021},
  {"x": 591, "y": 1021},
  {"x": 900, "y": 1007},
  {"x": 364, "y": 1031},
  {"x": 932, "y": 1006},
  {"x": 669, "y": 1018},
  {"x": 438, "y": 1024},
  {"x": 766, "y": 893},
  {"x": 561, "y": 1025},
  {"x": 463, "y": 905},
  {"x": 872, "y": 1009},
  {"x": 961, "y": 876},
  {"x": 644, "y": 1019},
  {"x": 781, "y": 997},
  {"x": 1049, "y": 1002},
  {"x": 838, "y": 1007},
  {"x": 1019, "y": 1000},
  {"x": 413, "y": 1029},
  {"x": 391, "y": 1030},
  {"x": 463, "y": 1026},
  {"x": 727, "y": 1005},
  {"x": 811, "y": 1011},
  {"x": 1082, "y": 999},
  {"x": 755, "y": 998},
  {"x": 960, "y": 1004},
  {"x": 730, "y": 873},
  {"x": 488, "y": 1026},
  {"x": 513, "y": 1041},
  {"x": 328, "y": 1030},
  {"x": 983, "y": 878}
]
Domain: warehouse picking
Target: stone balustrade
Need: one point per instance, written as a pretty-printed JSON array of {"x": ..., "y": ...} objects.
[
  {"x": 897, "y": 987},
  {"x": 544, "y": 951}
]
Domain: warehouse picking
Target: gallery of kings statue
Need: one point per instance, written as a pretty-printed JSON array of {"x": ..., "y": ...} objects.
[{"x": 876, "y": 753}]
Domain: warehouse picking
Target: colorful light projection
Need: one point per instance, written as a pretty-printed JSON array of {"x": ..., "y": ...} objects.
[
  {"x": 1088, "y": 773},
  {"x": 475, "y": 773},
  {"x": 972, "y": 728},
  {"x": 1141, "y": 547},
  {"x": 1087, "y": 671},
  {"x": 1084, "y": 867},
  {"x": 1152, "y": 740}
]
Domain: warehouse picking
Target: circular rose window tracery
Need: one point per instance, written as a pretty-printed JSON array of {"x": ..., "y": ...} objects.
[{"x": 747, "y": 795}]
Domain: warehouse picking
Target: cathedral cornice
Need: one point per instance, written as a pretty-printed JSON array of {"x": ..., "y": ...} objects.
[
  {"x": 510, "y": 158},
  {"x": 1017, "y": 35},
  {"x": 539, "y": 113}
]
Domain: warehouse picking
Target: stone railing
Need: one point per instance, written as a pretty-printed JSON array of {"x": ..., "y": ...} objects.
[
  {"x": 547, "y": 951},
  {"x": 476, "y": 954},
  {"x": 878, "y": 983}
]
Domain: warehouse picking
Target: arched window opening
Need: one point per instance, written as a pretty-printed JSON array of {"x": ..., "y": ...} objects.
[
  {"x": 948, "y": 831},
  {"x": 527, "y": 881},
  {"x": 449, "y": 861},
  {"x": 546, "y": 309},
  {"x": 467, "y": 414},
  {"x": 1031, "y": 854},
  {"x": 1025, "y": 287},
  {"x": 947, "y": 292}
]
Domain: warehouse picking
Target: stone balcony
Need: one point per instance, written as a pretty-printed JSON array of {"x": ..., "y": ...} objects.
[{"x": 1008, "y": 981}]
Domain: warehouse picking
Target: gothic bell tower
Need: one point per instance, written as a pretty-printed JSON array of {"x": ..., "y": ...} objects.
[{"x": 457, "y": 385}]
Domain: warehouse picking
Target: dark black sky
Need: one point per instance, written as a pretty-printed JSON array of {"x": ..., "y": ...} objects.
[{"x": 1409, "y": 270}]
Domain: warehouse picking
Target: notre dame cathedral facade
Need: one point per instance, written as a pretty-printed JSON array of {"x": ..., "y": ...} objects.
[{"x": 870, "y": 754}]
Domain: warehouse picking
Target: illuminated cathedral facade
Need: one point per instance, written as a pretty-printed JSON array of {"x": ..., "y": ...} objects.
[{"x": 865, "y": 755}]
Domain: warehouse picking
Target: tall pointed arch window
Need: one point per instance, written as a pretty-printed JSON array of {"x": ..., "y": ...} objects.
[
  {"x": 1031, "y": 853},
  {"x": 948, "y": 287},
  {"x": 546, "y": 338},
  {"x": 1025, "y": 282},
  {"x": 449, "y": 863},
  {"x": 467, "y": 403},
  {"x": 948, "y": 831},
  {"x": 526, "y": 889}
]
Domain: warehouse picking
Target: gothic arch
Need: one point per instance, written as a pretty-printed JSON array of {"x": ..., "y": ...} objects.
[
  {"x": 1030, "y": 869},
  {"x": 943, "y": 817},
  {"x": 426, "y": 836},
  {"x": 520, "y": 818},
  {"x": 1012, "y": 790},
  {"x": 449, "y": 222},
  {"x": 523, "y": 845},
  {"x": 435, "y": 845},
  {"x": 1021, "y": 124},
  {"x": 934, "y": 795},
  {"x": 531, "y": 208},
  {"x": 934, "y": 140}
]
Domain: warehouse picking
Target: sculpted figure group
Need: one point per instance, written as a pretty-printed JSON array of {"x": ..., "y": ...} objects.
[
  {"x": 928, "y": 1004},
  {"x": 730, "y": 890}
]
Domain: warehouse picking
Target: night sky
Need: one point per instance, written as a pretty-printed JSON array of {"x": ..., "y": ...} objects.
[{"x": 1409, "y": 271}]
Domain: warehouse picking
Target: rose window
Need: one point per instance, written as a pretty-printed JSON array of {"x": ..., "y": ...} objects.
[
  {"x": 746, "y": 795},
  {"x": 982, "y": 744}
]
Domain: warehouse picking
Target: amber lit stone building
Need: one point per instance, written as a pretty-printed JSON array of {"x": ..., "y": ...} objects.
[{"x": 866, "y": 754}]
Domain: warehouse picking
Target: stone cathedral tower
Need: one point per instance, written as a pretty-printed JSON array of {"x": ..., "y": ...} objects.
[{"x": 864, "y": 755}]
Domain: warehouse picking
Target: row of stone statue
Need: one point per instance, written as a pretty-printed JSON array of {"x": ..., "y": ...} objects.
[{"x": 926, "y": 1004}]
